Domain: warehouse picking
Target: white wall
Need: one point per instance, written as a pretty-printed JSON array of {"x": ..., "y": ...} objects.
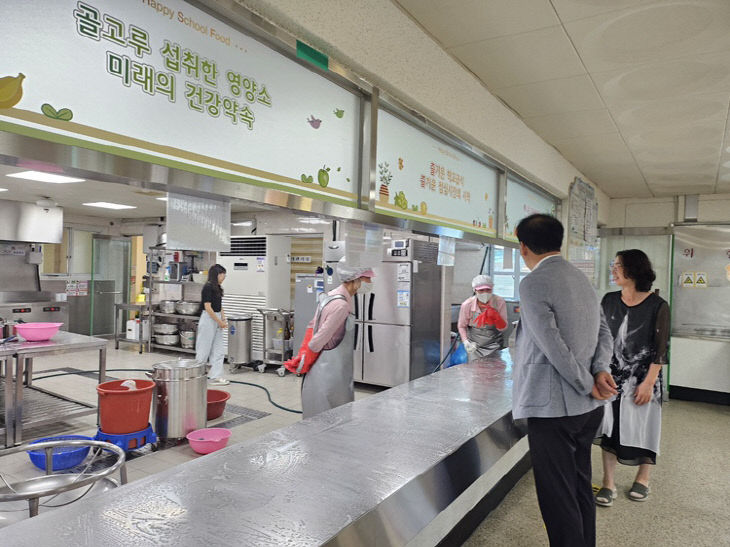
[
  {"x": 379, "y": 42},
  {"x": 663, "y": 211}
]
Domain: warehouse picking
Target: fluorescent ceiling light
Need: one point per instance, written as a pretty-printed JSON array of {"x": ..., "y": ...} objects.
[
  {"x": 162, "y": 199},
  {"x": 105, "y": 205},
  {"x": 243, "y": 223},
  {"x": 39, "y": 176},
  {"x": 3, "y": 189}
]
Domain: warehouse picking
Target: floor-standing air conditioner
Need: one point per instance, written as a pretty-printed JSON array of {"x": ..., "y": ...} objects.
[{"x": 257, "y": 277}]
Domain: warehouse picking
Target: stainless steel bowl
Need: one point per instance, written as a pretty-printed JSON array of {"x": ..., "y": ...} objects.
[
  {"x": 164, "y": 328},
  {"x": 187, "y": 308},
  {"x": 167, "y": 339},
  {"x": 187, "y": 339},
  {"x": 167, "y": 306}
]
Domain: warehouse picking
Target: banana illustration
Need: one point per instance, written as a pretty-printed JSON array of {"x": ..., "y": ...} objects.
[{"x": 11, "y": 90}]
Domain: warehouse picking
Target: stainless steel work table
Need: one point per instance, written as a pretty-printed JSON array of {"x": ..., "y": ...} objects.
[
  {"x": 46, "y": 407},
  {"x": 7, "y": 355},
  {"x": 373, "y": 472}
]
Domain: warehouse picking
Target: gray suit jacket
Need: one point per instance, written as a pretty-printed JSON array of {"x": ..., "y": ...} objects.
[{"x": 562, "y": 341}]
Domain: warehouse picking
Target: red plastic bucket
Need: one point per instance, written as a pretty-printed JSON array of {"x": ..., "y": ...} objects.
[
  {"x": 216, "y": 403},
  {"x": 123, "y": 410}
]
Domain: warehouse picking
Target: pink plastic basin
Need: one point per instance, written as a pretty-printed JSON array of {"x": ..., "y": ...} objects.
[
  {"x": 37, "y": 332},
  {"x": 209, "y": 439}
]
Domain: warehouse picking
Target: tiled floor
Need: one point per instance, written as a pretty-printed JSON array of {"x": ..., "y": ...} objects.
[
  {"x": 688, "y": 504},
  {"x": 284, "y": 391}
]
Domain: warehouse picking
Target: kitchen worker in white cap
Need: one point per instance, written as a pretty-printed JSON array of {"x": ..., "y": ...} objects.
[
  {"x": 482, "y": 318},
  {"x": 326, "y": 355}
]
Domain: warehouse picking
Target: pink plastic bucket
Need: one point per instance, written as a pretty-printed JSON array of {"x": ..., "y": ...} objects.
[{"x": 210, "y": 439}]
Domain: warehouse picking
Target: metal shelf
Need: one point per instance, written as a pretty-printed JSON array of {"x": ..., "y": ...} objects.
[
  {"x": 173, "y": 348},
  {"x": 132, "y": 341},
  {"x": 177, "y": 316}
]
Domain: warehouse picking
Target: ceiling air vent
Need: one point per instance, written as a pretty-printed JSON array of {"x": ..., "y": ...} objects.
[{"x": 247, "y": 246}]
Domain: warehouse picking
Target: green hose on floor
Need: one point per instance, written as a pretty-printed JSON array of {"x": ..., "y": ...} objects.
[{"x": 268, "y": 394}]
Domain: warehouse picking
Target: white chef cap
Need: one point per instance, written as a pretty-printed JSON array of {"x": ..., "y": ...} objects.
[
  {"x": 350, "y": 273},
  {"x": 482, "y": 282}
]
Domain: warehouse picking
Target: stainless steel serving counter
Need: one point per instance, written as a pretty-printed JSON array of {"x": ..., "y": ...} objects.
[
  {"x": 373, "y": 472},
  {"x": 46, "y": 406}
]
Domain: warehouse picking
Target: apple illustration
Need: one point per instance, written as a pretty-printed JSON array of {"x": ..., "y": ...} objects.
[{"x": 323, "y": 176}]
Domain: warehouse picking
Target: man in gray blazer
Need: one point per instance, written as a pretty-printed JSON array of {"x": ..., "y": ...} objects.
[{"x": 561, "y": 375}]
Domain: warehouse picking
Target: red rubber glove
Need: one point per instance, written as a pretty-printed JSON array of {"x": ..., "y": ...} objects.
[
  {"x": 483, "y": 319},
  {"x": 495, "y": 318},
  {"x": 489, "y": 317},
  {"x": 305, "y": 357}
]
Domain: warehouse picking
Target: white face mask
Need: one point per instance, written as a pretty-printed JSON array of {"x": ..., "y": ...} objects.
[
  {"x": 365, "y": 288},
  {"x": 484, "y": 297}
]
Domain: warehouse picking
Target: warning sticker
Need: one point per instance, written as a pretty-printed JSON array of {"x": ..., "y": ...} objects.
[
  {"x": 701, "y": 280},
  {"x": 688, "y": 279}
]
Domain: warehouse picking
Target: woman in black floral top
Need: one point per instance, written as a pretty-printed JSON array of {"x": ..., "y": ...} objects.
[{"x": 639, "y": 322}]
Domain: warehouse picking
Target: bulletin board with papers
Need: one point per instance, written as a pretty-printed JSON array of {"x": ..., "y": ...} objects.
[{"x": 582, "y": 229}]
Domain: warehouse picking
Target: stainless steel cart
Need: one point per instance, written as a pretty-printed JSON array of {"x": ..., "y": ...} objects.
[{"x": 277, "y": 338}]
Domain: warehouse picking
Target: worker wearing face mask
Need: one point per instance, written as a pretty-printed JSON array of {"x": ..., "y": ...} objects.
[
  {"x": 326, "y": 355},
  {"x": 482, "y": 319}
]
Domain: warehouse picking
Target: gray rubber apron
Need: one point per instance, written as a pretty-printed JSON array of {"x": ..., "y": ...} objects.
[
  {"x": 330, "y": 383},
  {"x": 488, "y": 339}
]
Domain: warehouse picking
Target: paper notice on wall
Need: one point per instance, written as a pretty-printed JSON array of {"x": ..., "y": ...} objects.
[
  {"x": 688, "y": 280},
  {"x": 12, "y": 250},
  {"x": 72, "y": 288},
  {"x": 82, "y": 288},
  {"x": 701, "y": 281}
]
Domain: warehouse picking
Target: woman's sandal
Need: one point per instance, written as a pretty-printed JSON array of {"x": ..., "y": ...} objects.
[
  {"x": 639, "y": 492},
  {"x": 605, "y": 497}
]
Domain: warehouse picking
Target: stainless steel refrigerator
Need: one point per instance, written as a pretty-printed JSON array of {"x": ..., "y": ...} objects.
[{"x": 397, "y": 326}]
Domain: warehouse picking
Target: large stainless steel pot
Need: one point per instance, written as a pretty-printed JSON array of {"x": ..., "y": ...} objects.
[
  {"x": 164, "y": 328},
  {"x": 180, "y": 397},
  {"x": 167, "y": 339},
  {"x": 187, "y": 308},
  {"x": 167, "y": 306}
]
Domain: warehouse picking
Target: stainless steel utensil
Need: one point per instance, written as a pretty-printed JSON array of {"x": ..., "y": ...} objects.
[
  {"x": 167, "y": 339},
  {"x": 167, "y": 306},
  {"x": 164, "y": 328},
  {"x": 187, "y": 308},
  {"x": 187, "y": 339}
]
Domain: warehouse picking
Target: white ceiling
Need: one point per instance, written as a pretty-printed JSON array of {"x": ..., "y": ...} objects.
[
  {"x": 71, "y": 196},
  {"x": 634, "y": 93}
]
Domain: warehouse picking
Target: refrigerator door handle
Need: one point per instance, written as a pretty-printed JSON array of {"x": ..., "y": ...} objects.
[
  {"x": 357, "y": 331},
  {"x": 357, "y": 307},
  {"x": 370, "y": 338},
  {"x": 370, "y": 307}
]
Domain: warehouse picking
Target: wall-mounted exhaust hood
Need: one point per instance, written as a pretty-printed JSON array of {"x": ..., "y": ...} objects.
[{"x": 30, "y": 223}]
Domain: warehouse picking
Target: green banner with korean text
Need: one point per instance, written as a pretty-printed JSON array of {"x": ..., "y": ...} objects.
[
  {"x": 167, "y": 83},
  {"x": 422, "y": 178}
]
